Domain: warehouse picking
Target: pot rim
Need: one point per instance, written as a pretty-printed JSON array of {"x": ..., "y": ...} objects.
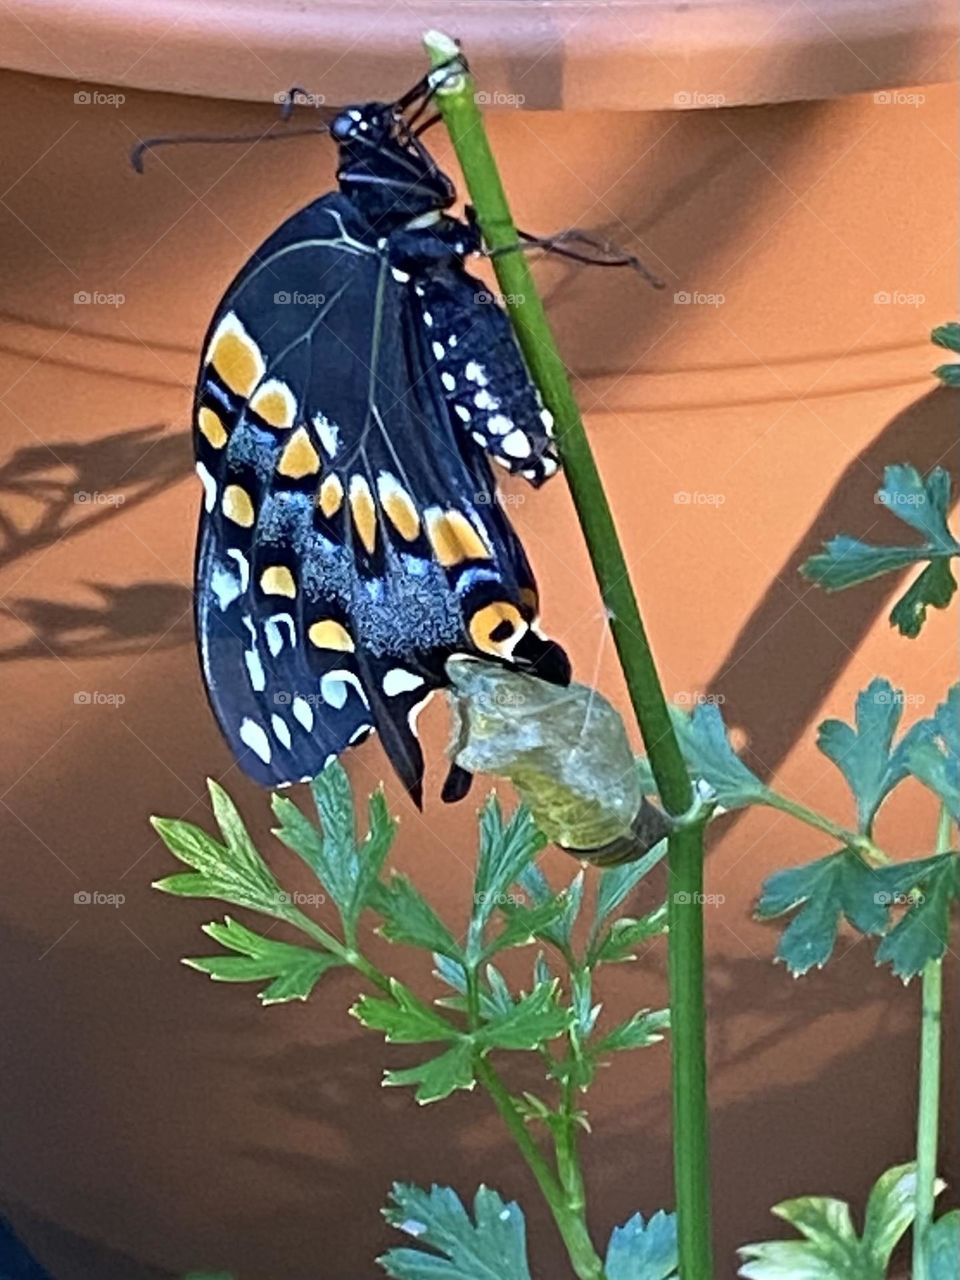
[{"x": 537, "y": 54}]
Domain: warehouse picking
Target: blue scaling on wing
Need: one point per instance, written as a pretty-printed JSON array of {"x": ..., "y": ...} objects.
[{"x": 350, "y": 540}]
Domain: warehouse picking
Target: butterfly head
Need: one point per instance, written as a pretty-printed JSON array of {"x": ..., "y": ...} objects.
[{"x": 385, "y": 168}]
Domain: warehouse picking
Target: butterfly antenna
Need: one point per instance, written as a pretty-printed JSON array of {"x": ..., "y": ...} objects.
[
  {"x": 177, "y": 139},
  {"x": 611, "y": 255}
]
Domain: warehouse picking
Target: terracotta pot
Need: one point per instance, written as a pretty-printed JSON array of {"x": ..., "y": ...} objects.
[{"x": 155, "y": 1122}]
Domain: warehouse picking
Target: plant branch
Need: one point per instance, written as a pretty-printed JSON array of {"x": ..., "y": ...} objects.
[
  {"x": 863, "y": 844},
  {"x": 928, "y": 1109},
  {"x": 456, "y": 103}
]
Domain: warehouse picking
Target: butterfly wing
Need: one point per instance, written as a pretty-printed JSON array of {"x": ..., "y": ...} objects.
[{"x": 350, "y": 540}]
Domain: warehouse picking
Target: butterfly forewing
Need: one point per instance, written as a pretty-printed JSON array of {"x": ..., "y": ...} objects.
[{"x": 350, "y": 539}]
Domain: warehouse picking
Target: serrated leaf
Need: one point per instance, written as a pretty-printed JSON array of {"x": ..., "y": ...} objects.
[
  {"x": 438, "y": 1077},
  {"x": 403, "y": 1018},
  {"x": 348, "y": 873},
  {"x": 646, "y": 1027},
  {"x": 525, "y": 924},
  {"x": 947, "y": 336},
  {"x": 294, "y": 970},
  {"x": 933, "y": 589},
  {"x": 616, "y": 883},
  {"x": 505, "y": 849},
  {"x": 942, "y": 1244},
  {"x": 232, "y": 871},
  {"x": 625, "y": 935},
  {"x": 865, "y": 754},
  {"x": 838, "y": 886},
  {"x": 923, "y": 933},
  {"x": 537, "y": 888},
  {"x": 408, "y": 917},
  {"x": 936, "y": 762},
  {"x": 891, "y": 1208},
  {"x": 491, "y": 1247},
  {"x": 830, "y": 1248},
  {"x": 531, "y": 1021},
  {"x": 710, "y": 756},
  {"x": 923, "y": 504},
  {"x": 643, "y": 1250}
]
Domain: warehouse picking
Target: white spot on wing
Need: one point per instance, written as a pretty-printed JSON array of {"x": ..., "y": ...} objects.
[
  {"x": 281, "y": 729},
  {"x": 303, "y": 712},
  {"x": 274, "y": 636},
  {"x": 400, "y": 276},
  {"x": 333, "y": 688},
  {"x": 448, "y": 380},
  {"x": 500, "y": 424},
  {"x": 253, "y": 736},
  {"x": 476, "y": 374},
  {"x": 209, "y": 487},
  {"x": 516, "y": 445},
  {"x": 328, "y": 433},
  {"x": 437, "y": 350},
  {"x": 399, "y": 680}
]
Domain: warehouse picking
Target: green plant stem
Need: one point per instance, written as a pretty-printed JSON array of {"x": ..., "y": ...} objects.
[
  {"x": 863, "y": 844},
  {"x": 570, "y": 1221},
  {"x": 567, "y": 1208},
  {"x": 928, "y": 1108},
  {"x": 456, "y": 103}
]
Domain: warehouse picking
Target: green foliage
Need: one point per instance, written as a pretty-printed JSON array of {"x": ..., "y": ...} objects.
[
  {"x": 948, "y": 337},
  {"x": 409, "y": 918},
  {"x": 348, "y": 870},
  {"x": 830, "y": 1248},
  {"x": 837, "y": 886},
  {"x": 450, "y": 1245},
  {"x": 935, "y": 758},
  {"x": 923, "y": 503},
  {"x": 294, "y": 970},
  {"x": 231, "y": 871},
  {"x": 866, "y": 754},
  {"x": 942, "y": 1246},
  {"x": 710, "y": 757},
  {"x": 643, "y": 1250},
  {"x": 928, "y": 887}
]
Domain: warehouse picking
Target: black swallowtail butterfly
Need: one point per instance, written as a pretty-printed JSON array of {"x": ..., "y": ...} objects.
[{"x": 355, "y": 381}]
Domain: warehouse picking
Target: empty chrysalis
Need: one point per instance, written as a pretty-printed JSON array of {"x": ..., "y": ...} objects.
[{"x": 566, "y": 752}]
